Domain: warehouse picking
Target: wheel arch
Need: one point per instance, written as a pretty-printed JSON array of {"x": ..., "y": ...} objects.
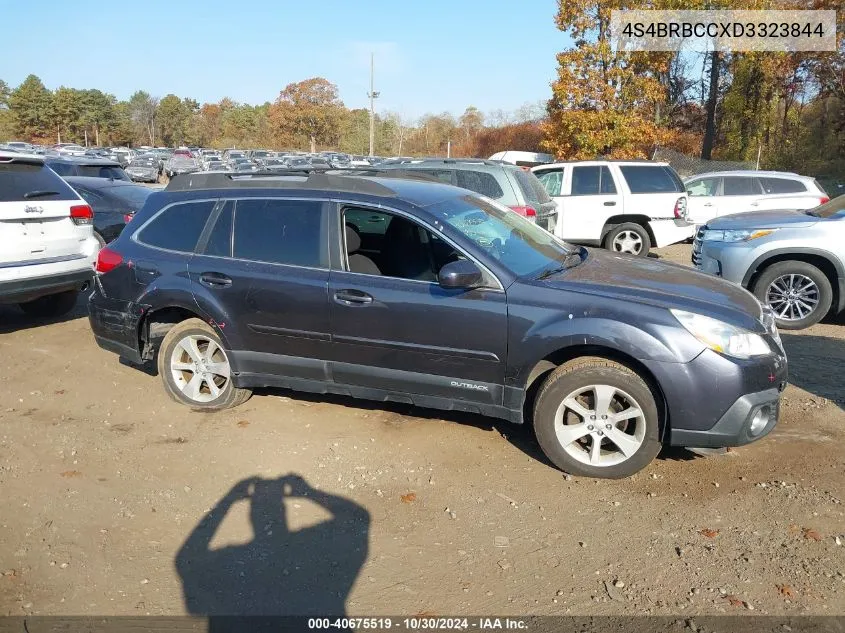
[
  {"x": 633, "y": 218},
  {"x": 536, "y": 376},
  {"x": 157, "y": 322},
  {"x": 832, "y": 268}
]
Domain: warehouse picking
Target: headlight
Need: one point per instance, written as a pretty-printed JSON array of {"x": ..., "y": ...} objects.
[
  {"x": 711, "y": 235},
  {"x": 722, "y": 337}
]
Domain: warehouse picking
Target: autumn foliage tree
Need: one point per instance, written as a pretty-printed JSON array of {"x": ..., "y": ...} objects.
[
  {"x": 603, "y": 101},
  {"x": 309, "y": 108}
]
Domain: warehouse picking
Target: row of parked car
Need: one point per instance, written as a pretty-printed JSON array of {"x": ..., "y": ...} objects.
[{"x": 447, "y": 297}]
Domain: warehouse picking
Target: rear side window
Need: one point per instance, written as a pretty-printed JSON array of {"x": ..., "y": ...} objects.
[
  {"x": 443, "y": 175},
  {"x": 739, "y": 186},
  {"x": 479, "y": 182},
  {"x": 651, "y": 179},
  {"x": 178, "y": 227},
  {"x": 19, "y": 179},
  {"x": 281, "y": 232},
  {"x": 532, "y": 189},
  {"x": 592, "y": 180},
  {"x": 782, "y": 185},
  {"x": 220, "y": 240}
]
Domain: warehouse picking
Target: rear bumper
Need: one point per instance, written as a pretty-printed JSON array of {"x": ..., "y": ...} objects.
[
  {"x": 23, "y": 290},
  {"x": 115, "y": 325}
]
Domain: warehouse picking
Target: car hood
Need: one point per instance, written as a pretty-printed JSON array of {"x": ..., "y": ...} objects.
[
  {"x": 652, "y": 282},
  {"x": 762, "y": 220}
]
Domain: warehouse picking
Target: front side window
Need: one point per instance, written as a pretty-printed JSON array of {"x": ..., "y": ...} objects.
[
  {"x": 278, "y": 231},
  {"x": 703, "y": 187},
  {"x": 518, "y": 244},
  {"x": 552, "y": 181},
  {"x": 178, "y": 227},
  {"x": 389, "y": 245}
]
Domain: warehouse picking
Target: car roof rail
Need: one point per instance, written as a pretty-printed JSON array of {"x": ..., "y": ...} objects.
[
  {"x": 278, "y": 179},
  {"x": 376, "y": 172}
]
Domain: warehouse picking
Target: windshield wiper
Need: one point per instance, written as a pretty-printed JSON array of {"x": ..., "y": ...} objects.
[
  {"x": 39, "y": 194},
  {"x": 571, "y": 260}
]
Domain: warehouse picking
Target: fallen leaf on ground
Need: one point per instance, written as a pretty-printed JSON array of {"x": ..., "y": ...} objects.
[
  {"x": 243, "y": 423},
  {"x": 810, "y": 533},
  {"x": 735, "y": 602},
  {"x": 409, "y": 497},
  {"x": 709, "y": 533},
  {"x": 786, "y": 591},
  {"x": 71, "y": 473},
  {"x": 60, "y": 392}
]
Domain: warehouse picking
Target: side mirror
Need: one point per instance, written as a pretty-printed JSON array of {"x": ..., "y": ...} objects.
[{"x": 460, "y": 274}]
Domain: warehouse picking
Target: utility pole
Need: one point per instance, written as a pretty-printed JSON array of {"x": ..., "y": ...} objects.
[{"x": 372, "y": 95}]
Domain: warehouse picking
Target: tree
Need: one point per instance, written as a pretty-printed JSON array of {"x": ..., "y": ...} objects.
[
  {"x": 142, "y": 113},
  {"x": 310, "y": 109},
  {"x": 98, "y": 111},
  {"x": 32, "y": 109},
  {"x": 172, "y": 118},
  {"x": 67, "y": 113},
  {"x": 5, "y": 91},
  {"x": 603, "y": 102},
  {"x": 471, "y": 122}
]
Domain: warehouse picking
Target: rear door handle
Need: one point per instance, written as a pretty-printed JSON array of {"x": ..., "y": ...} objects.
[
  {"x": 215, "y": 280},
  {"x": 610, "y": 203},
  {"x": 352, "y": 297},
  {"x": 707, "y": 204}
]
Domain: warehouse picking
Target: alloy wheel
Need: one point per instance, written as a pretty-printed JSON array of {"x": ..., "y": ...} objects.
[
  {"x": 600, "y": 425},
  {"x": 628, "y": 242},
  {"x": 200, "y": 368},
  {"x": 793, "y": 297}
]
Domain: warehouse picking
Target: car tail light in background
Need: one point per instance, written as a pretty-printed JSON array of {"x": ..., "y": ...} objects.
[
  {"x": 527, "y": 212},
  {"x": 127, "y": 217},
  {"x": 681, "y": 208},
  {"x": 81, "y": 214},
  {"x": 107, "y": 260},
  {"x": 824, "y": 200}
]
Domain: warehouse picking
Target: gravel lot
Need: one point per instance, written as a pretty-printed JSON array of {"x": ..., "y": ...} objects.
[{"x": 316, "y": 503}]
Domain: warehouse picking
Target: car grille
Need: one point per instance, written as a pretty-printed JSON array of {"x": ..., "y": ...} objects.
[{"x": 696, "y": 246}]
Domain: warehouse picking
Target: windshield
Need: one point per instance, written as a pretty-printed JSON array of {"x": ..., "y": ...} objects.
[
  {"x": 829, "y": 209},
  {"x": 518, "y": 244}
]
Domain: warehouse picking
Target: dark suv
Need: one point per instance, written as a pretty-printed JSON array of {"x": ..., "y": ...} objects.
[
  {"x": 418, "y": 292},
  {"x": 513, "y": 186}
]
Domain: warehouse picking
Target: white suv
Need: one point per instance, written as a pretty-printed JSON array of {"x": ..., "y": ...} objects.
[
  {"x": 727, "y": 192},
  {"x": 47, "y": 243},
  {"x": 625, "y": 206}
]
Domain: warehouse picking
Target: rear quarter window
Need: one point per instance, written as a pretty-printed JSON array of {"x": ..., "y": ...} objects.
[
  {"x": 531, "y": 188},
  {"x": 178, "y": 227},
  {"x": 479, "y": 182},
  {"x": 782, "y": 185},
  {"x": 19, "y": 179},
  {"x": 651, "y": 179}
]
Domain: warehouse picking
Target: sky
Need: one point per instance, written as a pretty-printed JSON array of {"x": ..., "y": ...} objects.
[{"x": 430, "y": 55}]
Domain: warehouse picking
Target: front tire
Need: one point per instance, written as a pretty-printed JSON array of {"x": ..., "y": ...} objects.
[
  {"x": 798, "y": 292},
  {"x": 630, "y": 238},
  {"x": 597, "y": 418},
  {"x": 195, "y": 368},
  {"x": 52, "y": 305}
]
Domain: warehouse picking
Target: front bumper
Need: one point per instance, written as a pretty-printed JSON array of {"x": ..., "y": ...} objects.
[{"x": 734, "y": 428}]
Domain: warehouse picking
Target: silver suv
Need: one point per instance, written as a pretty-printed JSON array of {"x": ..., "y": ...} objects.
[{"x": 793, "y": 261}]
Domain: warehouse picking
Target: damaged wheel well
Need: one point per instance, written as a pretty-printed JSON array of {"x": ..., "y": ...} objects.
[{"x": 155, "y": 326}]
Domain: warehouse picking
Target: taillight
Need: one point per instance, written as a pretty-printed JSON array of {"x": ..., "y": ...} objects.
[
  {"x": 681, "y": 208},
  {"x": 81, "y": 214},
  {"x": 127, "y": 217},
  {"x": 528, "y": 212},
  {"x": 824, "y": 200},
  {"x": 107, "y": 260}
]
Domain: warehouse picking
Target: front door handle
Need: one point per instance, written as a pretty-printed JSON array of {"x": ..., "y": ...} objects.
[
  {"x": 352, "y": 297},
  {"x": 215, "y": 280},
  {"x": 610, "y": 203},
  {"x": 707, "y": 204}
]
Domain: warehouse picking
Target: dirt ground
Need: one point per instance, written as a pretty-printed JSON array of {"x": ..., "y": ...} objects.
[{"x": 318, "y": 504}]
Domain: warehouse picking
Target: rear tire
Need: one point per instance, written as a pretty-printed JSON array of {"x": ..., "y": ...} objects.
[
  {"x": 813, "y": 294},
  {"x": 52, "y": 305},
  {"x": 597, "y": 418},
  {"x": 195, "y": 369},
  {"x": 629, "y": 238}
]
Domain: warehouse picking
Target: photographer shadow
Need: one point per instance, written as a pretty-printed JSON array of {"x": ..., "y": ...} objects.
[{"x": 303, "y": 572}]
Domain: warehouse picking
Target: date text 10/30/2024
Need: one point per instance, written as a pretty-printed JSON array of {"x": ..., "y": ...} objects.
[{"x": 418, "y": 624}]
